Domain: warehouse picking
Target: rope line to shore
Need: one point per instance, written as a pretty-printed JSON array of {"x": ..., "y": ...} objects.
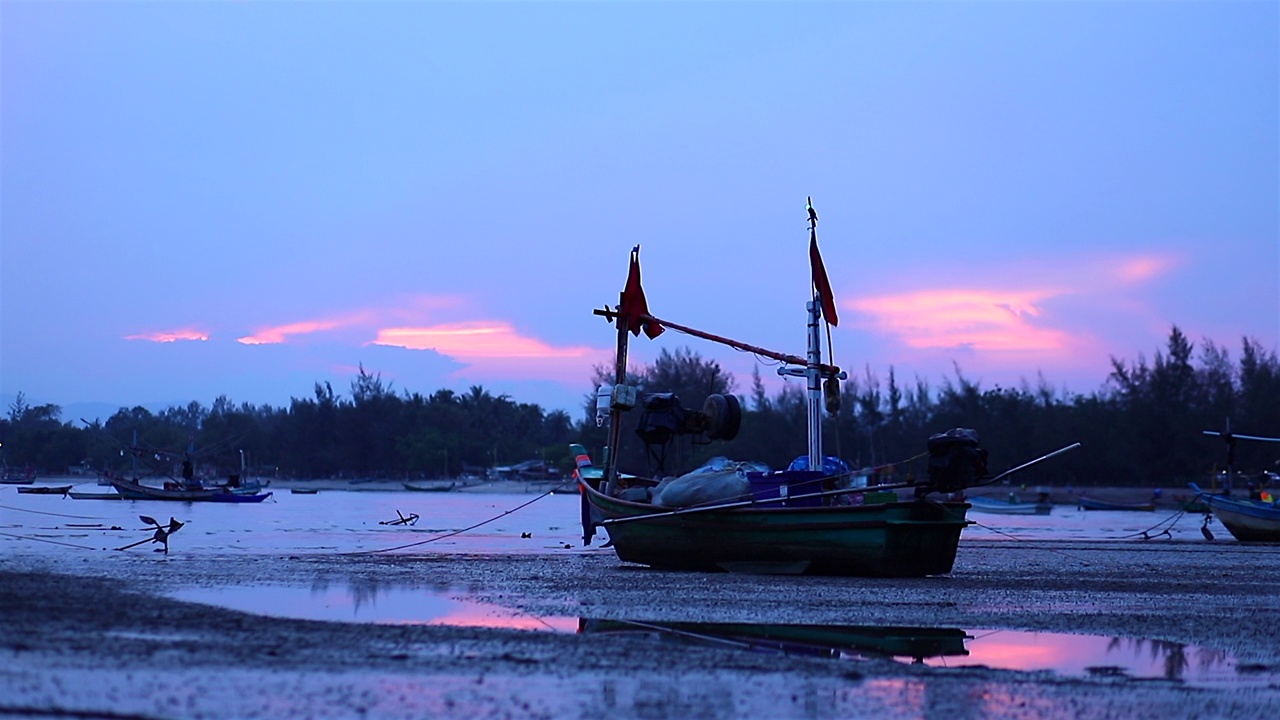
[
  {"x": 52, "y": 542},
  {"x": 41, "y": 512},
  {"x": 459, "y": 532},
  {"x": 1146, "y": 534},
  {"x": 1063, "y": 553}
]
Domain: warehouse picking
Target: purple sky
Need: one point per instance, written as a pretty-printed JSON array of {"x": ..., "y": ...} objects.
[{"x": 249, "y": 198}]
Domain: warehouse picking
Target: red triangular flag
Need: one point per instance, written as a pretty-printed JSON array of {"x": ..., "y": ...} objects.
[
  {"x": 820, "y": 281},
  {"x": 634, "y": 307}
]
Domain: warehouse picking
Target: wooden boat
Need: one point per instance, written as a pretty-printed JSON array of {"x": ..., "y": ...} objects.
[
  {"x": 1010, "y": 507},
  {"x": 134, "y": 490},
  {"x": 1247, "y": 520},
  {"x": 1087, "y": 503},
  {"x": 775, "y": 529},
  {"x": 45, "y": 490},
  {"x": 304, "y": 490}
]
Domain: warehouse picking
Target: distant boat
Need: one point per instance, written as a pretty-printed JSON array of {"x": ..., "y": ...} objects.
[
  {"x": 1010, "y": 507},
  {"x": 10, "y": 476},
  {"x": 1087, "y": 503},
  {"x": 429, "y": 486},
  {"x": 45, "y": 490},
  {"x": 304, "y": 491},
  {"x": 133, "y": 490},
  {"x": 80, "y": 495}
]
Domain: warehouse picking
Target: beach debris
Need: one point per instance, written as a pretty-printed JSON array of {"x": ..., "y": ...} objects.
[
  {"x": 161, "y": 534},
  {"x": 402, "y": 519},
  {"x": 525, "y": 535}
]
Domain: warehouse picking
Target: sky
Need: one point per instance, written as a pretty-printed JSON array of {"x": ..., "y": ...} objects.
[{"x": 245, "y": 199}]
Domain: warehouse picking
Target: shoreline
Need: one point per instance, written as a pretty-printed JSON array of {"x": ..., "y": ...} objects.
[
  {"x": 100, "y": 618},
  {"x": 1169, "y": 498}
]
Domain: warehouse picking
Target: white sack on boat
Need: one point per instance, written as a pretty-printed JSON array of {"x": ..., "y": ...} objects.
[{"x": 700, "y": 486}]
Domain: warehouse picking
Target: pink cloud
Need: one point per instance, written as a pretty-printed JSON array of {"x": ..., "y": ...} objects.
[
  {"x": 977, "y": 319},
  {"x": 280, "y": 333},
  {"x": 1136, "y": 270},
  {"x": 168, "y": 336},
  {"x": 475, "y": 340}
]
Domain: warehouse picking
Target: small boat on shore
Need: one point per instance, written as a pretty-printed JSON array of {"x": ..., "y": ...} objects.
[
  {"x": 802, "y": 520},
  {"x": 304, "y": 491},
  {"x": 1247, "y": 520},
  {"x": 1010, "y": 507},
  {"x": 1087, "y": 503},
  {"x": 45, "y": 490}
]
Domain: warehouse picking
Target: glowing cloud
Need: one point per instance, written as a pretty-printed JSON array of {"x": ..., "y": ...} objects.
[
  {"x": 977, "y": 319},
  {"x": 280, "y": 333},
  {"x": 1141, "y": 269},
  {"x": 475, "y": 340},
  {"x": 170, "y": 336}
]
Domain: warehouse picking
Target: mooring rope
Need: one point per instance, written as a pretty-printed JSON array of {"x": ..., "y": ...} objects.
[
  {"x": 1146, "y": 534},
  {"x": 1063, "y": 553},
  {"x": 459, "y": 532},
  {"x": 52, "y": 542},
  {"x": 41, "y": 512}
]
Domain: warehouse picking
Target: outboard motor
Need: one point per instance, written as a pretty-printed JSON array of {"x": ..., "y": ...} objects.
[{"x": 956, "y": 461}]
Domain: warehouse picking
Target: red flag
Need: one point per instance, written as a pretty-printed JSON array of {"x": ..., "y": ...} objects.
[
  {"x": 634, "y": 307},
  {"x": 820, "y": 281}
]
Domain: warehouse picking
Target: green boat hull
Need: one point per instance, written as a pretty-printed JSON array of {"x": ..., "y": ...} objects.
[{"x": 893, "y": 539}]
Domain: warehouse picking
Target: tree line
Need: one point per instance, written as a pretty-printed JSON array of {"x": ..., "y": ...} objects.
[{"x": 1144, "y": 426}]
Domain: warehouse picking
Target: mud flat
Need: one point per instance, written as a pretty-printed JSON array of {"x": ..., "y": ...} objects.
[{"x": 93, "y": 635}]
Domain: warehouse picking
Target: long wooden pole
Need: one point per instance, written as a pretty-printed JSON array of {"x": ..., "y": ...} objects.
[{"x": 780, "y": 357}]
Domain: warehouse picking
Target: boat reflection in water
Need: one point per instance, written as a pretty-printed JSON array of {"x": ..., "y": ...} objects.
[
  {"x": 1068, "y": 655},
  {"x": 833, "y": 641}
]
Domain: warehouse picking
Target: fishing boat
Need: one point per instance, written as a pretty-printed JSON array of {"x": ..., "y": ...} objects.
[
  {"x": 45, "y": 490},
  {"x": 1010, "y": 506},
  {"x": 304, "y": 491},
  {"x": 1088, "y": 503},
  {"x": 789, "y": 522},
  {"x": 1247, "y": 520},
  {"x": 13, "y": 476},
  {"x": 187, "y": 492}
]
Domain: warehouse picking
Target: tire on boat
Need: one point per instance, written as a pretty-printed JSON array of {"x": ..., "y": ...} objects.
[{"x": 724, "y": 413}]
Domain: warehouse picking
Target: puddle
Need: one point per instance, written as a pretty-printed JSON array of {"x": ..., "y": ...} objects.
[
  {"x": 388, "y": 606},
  {"x": 1081, "y": 656}
]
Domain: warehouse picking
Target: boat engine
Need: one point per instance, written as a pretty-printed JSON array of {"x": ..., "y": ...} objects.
[
  {"x": 956, "y": 460},
  {"x": 664, "y": 417}
]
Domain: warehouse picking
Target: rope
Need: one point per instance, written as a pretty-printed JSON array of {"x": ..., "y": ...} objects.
[
  {"x": 1146, "y": 534},
  {"x": 52, "y": 542},
  {"x": 459, "y": 532},
  {"x": 40, "y": 512},
  {"x": 1063, "y": 553}
]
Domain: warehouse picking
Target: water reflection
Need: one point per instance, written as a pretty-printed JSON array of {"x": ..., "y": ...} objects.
[
  {"x": 1105, "y": 658},
  {"x": 1064, "y": 654},
  {"x": 833, "y": 641}
]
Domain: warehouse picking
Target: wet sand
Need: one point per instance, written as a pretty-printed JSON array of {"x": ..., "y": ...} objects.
[{"x": 87, "y": 635}]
